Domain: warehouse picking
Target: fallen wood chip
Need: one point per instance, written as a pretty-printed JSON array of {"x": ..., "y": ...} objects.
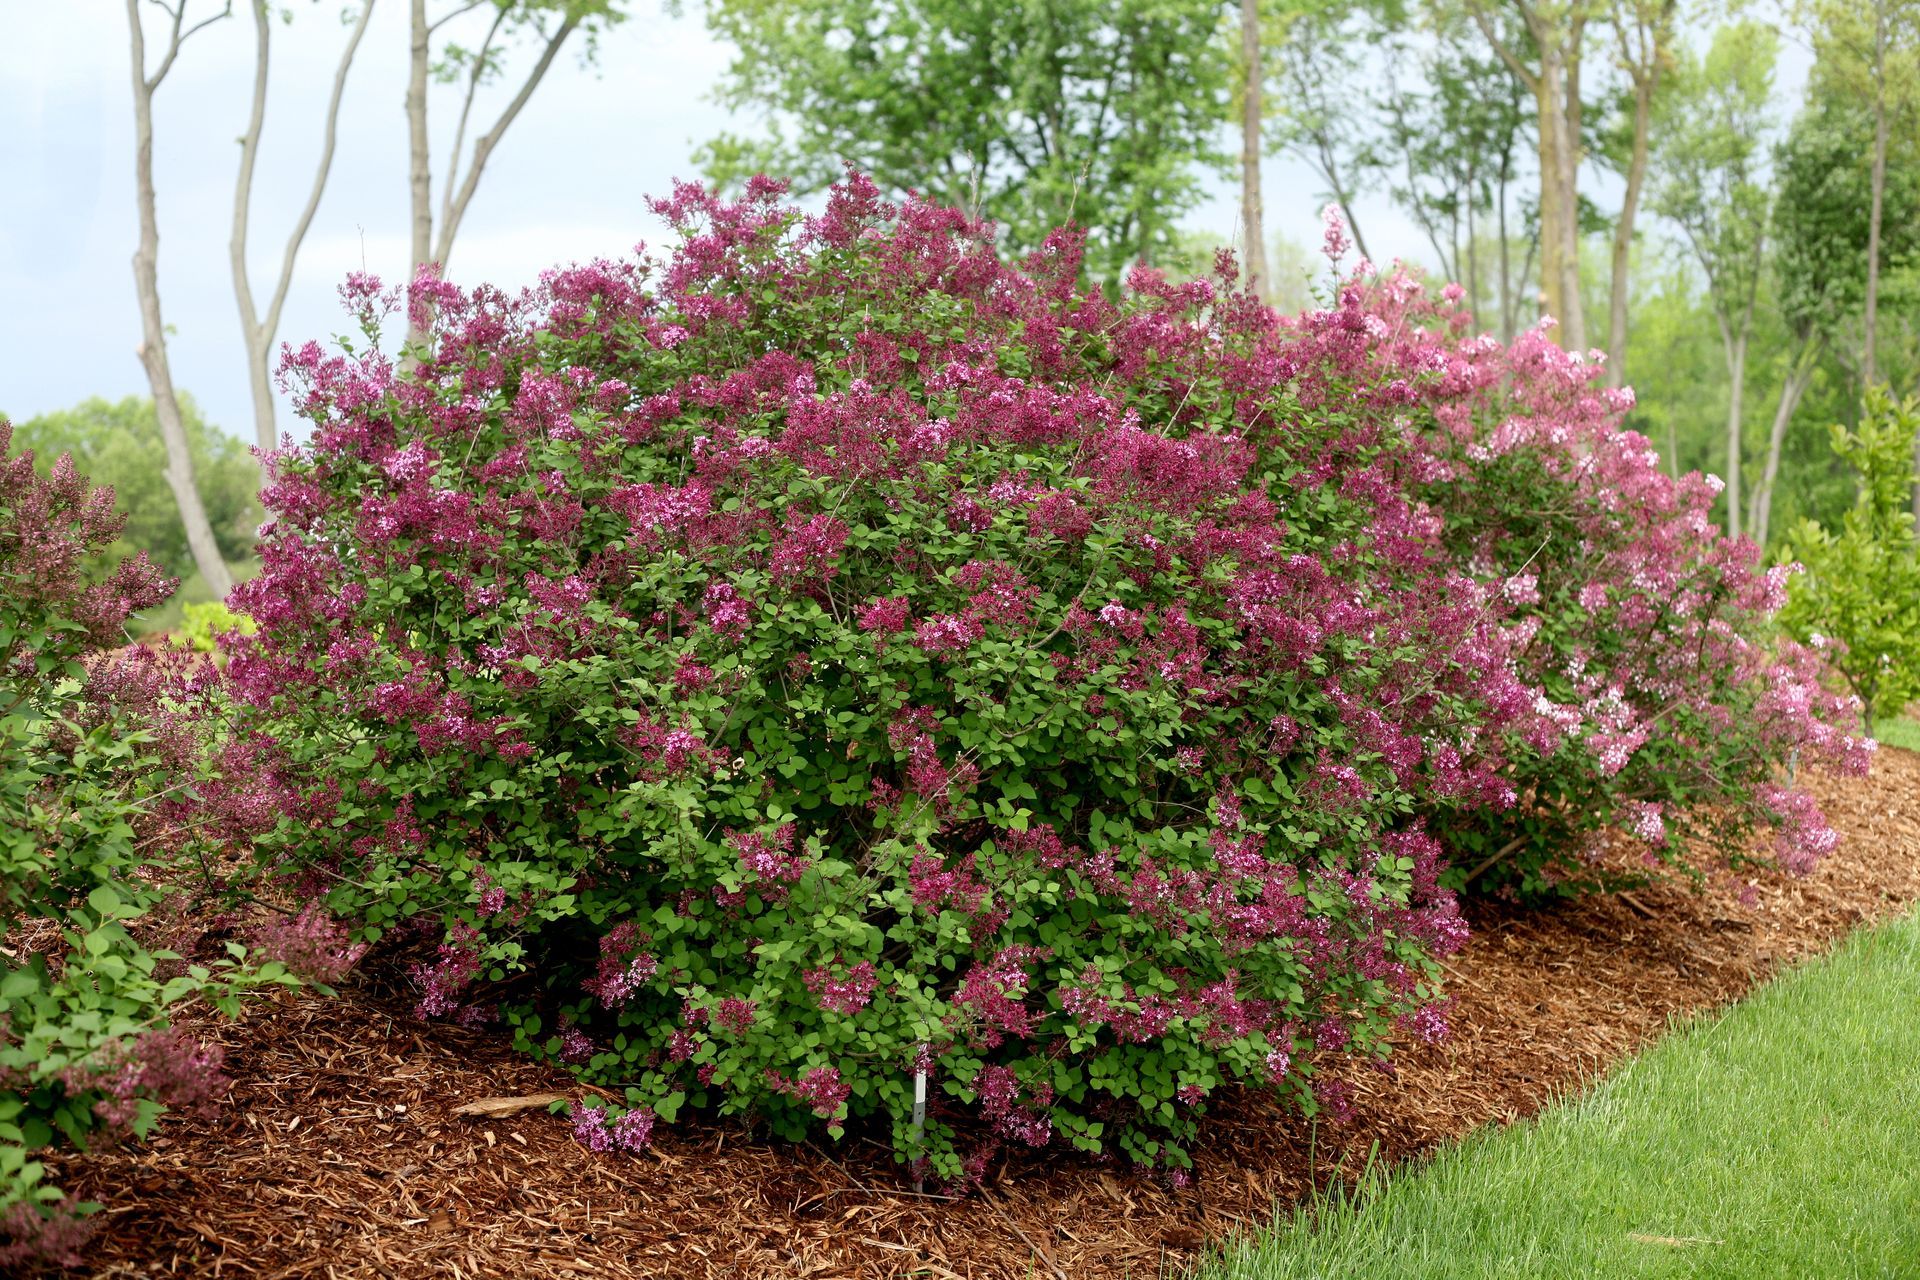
[{"x": 497, "y": 1108}]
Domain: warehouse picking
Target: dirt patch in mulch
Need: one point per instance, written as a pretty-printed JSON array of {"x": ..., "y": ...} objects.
[{"x": 340, "y": 1154}]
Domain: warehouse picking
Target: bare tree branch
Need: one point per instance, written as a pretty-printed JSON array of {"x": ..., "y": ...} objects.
[
  {"x": 175, "y": 38},
  {"x": 466, "y": 111},
  {"x": 258, "y": 333},
  {"x": 483, "y": 146}
]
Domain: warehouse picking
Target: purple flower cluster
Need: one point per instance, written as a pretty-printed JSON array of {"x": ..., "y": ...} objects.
[{"x": 631, "y": 1131}]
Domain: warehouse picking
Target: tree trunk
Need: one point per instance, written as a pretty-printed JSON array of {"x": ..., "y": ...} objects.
[
  {"x": 1878, "y": 198},
  {"x": 153, "y": 346},
  {"x": 1473, "y": 261},
  {"x": 1799, "y": 375},
  {"x": 256, "y": 330},
  {"x": 1546, "y": 103},
  {"x": 419, "y": 157},
  {"x": 1252, "y": 216},
  {"x": 1506, "y": 261},
  {"x": 1736, "y": 404},
  {"x": 255, "y": 341},
  {"x": 1623, "y": 231},
  {"x": 1575, "y": 319}
]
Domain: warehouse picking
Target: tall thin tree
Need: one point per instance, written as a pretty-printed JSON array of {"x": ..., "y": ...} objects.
[
  {"x": 257, "y": 330},
  {"x": 1710, "y": 156},
  {"x": 1558, "y": 30},
  {"x": 146, "y": 281},
  {"x": 1644, "y": 31},
  {"x": 547, "y": 25},
  {"x": 1252, "y": 215}
]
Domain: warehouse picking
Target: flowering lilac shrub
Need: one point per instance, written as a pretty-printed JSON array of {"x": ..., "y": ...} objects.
[
  {"x": 91, "y": 745},
  {"x": 1661, "y": 702},
  {"x": 833, "y": 655},
  {"x": 1666, "y": 704}
]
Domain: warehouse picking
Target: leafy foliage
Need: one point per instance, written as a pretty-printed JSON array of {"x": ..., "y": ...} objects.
[
  {"x": 202, "y": 625},
  {"x": 1820, "y": 216},
  {"x": 811, "y": 670},
  {"x": 89, "y": 748},
  {"x": 1859, "y": 596},
  {"x": 1032, "y": 114}
]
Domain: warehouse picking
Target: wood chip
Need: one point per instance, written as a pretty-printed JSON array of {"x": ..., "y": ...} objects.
[{"x": 497, "y": 1108}]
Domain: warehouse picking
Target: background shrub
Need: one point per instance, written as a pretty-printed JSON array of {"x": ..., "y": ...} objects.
[
  {"x": 1859, "y": 596},
  {"x": 93, "y": 745},
  {"x": 202, "y": 625},
  {"x": 1666, "y": 706}
]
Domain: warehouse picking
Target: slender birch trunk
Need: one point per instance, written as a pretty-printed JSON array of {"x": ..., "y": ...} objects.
[
  {"x": 1871, "y": 315},
  {"x": 1623, "y": 234},
  {"x": 1645, "y": 52},
  {"x": 1736, "y": 348},
  {"x": 146, "y": 280},
  {"x": 1555, "y": 86},
  {"x": 419, "y": 154},
  {"x": 1799, "y": 376},
  {"x": 1552, "y": 281},
  {"x": 256, "y": 330},
  {"x": 427, "y": 249},
  {"x": 1574, "y": 308},
  {"x": 1252, "y": 215}
]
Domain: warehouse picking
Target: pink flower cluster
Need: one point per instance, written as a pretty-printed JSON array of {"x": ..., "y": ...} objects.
[
  {"x": 846, "y": 994},
  {"x": 631, "y": 1131},
  {"x": 165, "y": 1066},
  {"x": 819, "y": 1089},
  {"x": 312, "y": 944}
]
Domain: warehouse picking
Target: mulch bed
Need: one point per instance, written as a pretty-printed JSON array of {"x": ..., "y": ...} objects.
[{"x": 339, "y": 1154}]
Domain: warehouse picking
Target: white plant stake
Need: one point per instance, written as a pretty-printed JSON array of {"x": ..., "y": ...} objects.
[{"x": 920, "y": 1128}]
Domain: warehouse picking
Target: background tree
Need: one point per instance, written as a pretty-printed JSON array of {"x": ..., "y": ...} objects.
[
  {"x": 1644, "y": 31},
  {"x": 1253, "y": 223},
  {"x": 119, "y": 444},
  {"x": 1034, "y": 113},
  {"x": 257, "y": 330},
  {"x": 146, "y": 280},
  {"x": 1557, "y": 30},
  {"x": 1452, "y": 135},
  {"x": 1710, "y": 157},
  {"x": 1322, "y": 111},
  {"x": 1680, "y": 371},
  {"x": 1821, "y": 232},
  {"x": 544, "y": 25},
  {"x": 1869, "y": 50}
]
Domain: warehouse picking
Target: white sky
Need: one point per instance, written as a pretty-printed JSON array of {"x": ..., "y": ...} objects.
[{"x": 568, "y": 183}]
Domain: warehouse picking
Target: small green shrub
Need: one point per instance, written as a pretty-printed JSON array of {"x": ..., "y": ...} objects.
[
  {"x": 202, "y": 625},
  {"x": 93, "y": 745},
  {"x": 1859, "y": 597}
]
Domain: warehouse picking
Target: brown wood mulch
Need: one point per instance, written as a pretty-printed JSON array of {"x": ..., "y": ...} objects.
[{"x": 340, "y": 1153}]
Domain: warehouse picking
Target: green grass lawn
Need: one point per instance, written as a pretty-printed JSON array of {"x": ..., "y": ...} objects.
[
  {"x": 1898, "y": 731},
  {"x": 1781, "y": 1139}
]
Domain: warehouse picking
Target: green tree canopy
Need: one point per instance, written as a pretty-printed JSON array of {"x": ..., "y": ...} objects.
[
  {"x": 1820, "y": 214},
  {"x": 1032, "y": 111}
]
